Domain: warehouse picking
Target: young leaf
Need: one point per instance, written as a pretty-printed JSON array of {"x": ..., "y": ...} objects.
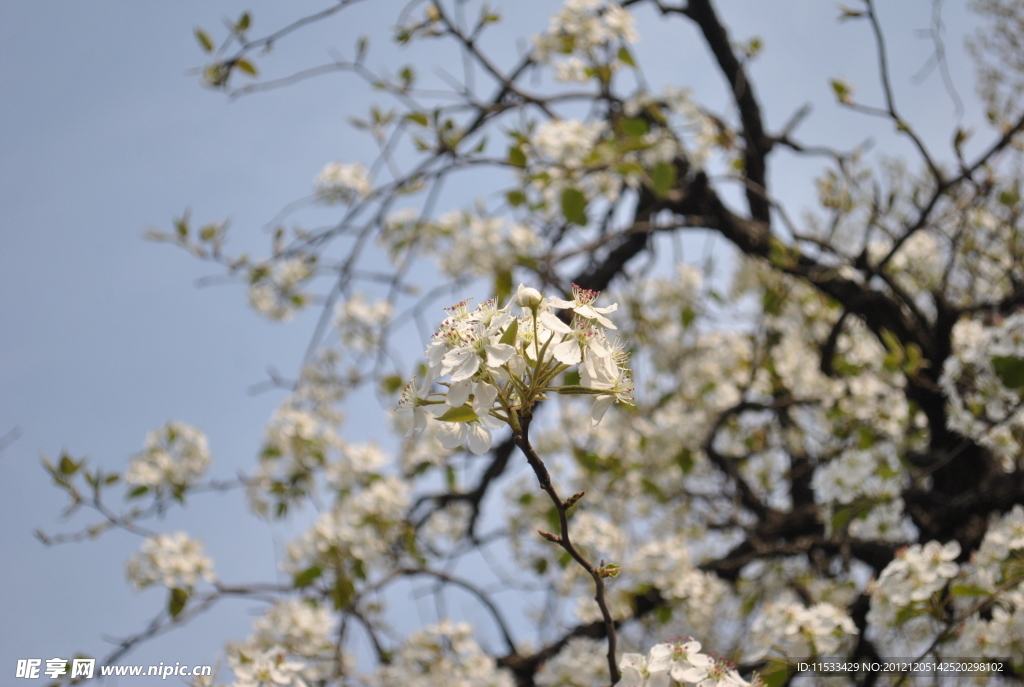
[
  {"x": 460, "y": 414},
  {"x": 176, "y": 602},
  {"x": 664, "y": 178},
  {"x": 574, "y": 206},
  {"x": 204, "y": 39}
]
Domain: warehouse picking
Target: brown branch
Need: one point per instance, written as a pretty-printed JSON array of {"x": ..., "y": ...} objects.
[{"x": 521, "y": 437}]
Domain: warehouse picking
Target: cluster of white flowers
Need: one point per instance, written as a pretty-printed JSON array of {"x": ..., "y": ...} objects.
[
  {"x": 343, "y": 183},
  {"x": 174, "y": 560},
  {"x": 296, "y": 628},
  {"x": 275, "y": 288},
  {"x": 586, "y": 157},
  {"x": 476, "y": 245},
  {"x": 582, "y": 662},
  {"x": 464, "y": 243},
  {"x": 791, "y": 629},
  {"x": 994, "y": 569},
  {"x": 359, "y": 322},
  {"x": 356, "y": 535},
  {"x": 900, "y": 594},
  {"x": 587, "y": 31},
  {"x": 980, "y": 404},
  {"x": 917, "y": 572},
  {"x": 441, "y": 655},
  {"x": 870, "y": 482},
  {"x": 174, "y": 457},
  {"x": 683, "y": 663},
  {"x": 298, "y": 444},
  {"x": 268, "y": 668},
  {"x": 665, "y": 565},
  {"x": 499, "y": 364}
]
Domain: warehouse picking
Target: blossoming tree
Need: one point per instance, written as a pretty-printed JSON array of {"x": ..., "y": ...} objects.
[{"x": 695, "y": 478}]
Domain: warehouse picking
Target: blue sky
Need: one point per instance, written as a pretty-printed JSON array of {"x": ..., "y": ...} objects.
[{"x": 104, "y": 336}]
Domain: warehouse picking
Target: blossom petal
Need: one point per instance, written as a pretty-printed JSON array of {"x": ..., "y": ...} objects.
[
  {"x": 483, "y": 398},
  {"x": 498, "y": 354},
  {"x": 552, "y": 323},
  {"x": 452, "y": 434},
  {"x": 568, "y": 352},
  {"x": 458, "y": 393},
  {"x": 479, "y": 438},
  {"x": 601, "y": 406}
]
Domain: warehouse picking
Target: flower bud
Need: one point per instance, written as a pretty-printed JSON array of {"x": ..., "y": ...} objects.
[{"x": 527, "y": 297}]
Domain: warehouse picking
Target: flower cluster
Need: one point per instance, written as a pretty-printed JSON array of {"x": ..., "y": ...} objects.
[
  {"x": 918, "y": 571},
  {"x": 359, "y": 322},
  {"x": 275, "y": 288},
  {"x": 499, "y": 364},
  {"x": 586, "y": 31},
  {"x": 296, "y": 628},
  {"x": 867, "y": 483},
  {"x": 441, "y": 655},
  {"x": 343, "y": 183},
  {"x": 354, "y": 537},
  {"x": 795, "y": 630},
  {"x": 263, "y": 668},
  {"x": 900, "y": 595},
  {"x": 174, "y": 457},
  {"x": 981, "y": 380},
  {"x": 683, "y": 663},
  {"x": 174, "y": 560}
]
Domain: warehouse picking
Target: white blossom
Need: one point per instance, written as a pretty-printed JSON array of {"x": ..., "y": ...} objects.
[{"x": 174, "y": 560}]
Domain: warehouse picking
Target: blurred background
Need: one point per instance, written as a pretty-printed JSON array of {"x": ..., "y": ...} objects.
[{"x": 105, "y": 336}]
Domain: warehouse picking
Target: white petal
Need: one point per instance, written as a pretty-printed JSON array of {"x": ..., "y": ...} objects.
[
  {"x": 452, "y": 434},
  {"x": 592, "y": 314},
  {"x": 498, "y": 354},
  {"x": 568, "y": 352},
  {"x": 552, "y": 323},
  {"x": 458, "y": 393},
  {"x": 517, "y": 365},
  {"x": 601, "y": 406},
  {"x": 479, "y": 438},
  {"x": 462, "y": 362},
  {"x": 483, "y": 398},
  {"x": 559, "y": 303}
]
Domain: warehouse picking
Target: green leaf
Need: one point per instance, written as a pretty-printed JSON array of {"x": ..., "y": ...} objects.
[
  {"x": 663, "y": 614},
  {"x": 844, "y": 93},
  {"x": 574, "y": 206},
  {"x": 244, "y": 22},
  {"x": 246, "y": 66},
  {"x": 509, "y": 336},
  {"x": 503, "y": 284},
  {"x": 176, "y": 602},
  {"x": 138, "y": 491},
  {"x": 572, "y": 378},
  {"x": 418, "y": 117},
  {"x": 634, "y": 127},
  {"x": 308, "y": 576},
  {"x": 393, "y": 383},
  {"x": 1009, "y": 369},
  {"x": 204, "y": 39},
  {"x": 968, "y": 590},
  {"x": 342, "y": 593},
  {"x": 625, "y": 57},
  {"x": 842, "y": 517},
  {"x": 67, "y": 466},
  {"x": 516, "y": 156},
  {"x": 664, "y": 178},
  {"x": 460, "y": 414},
  {"x": 776, "y": 673},
  {"x": 515, "y": 198}
]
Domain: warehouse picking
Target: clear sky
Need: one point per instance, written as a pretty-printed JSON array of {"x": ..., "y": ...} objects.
[{"x": 104, "y": 336}]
